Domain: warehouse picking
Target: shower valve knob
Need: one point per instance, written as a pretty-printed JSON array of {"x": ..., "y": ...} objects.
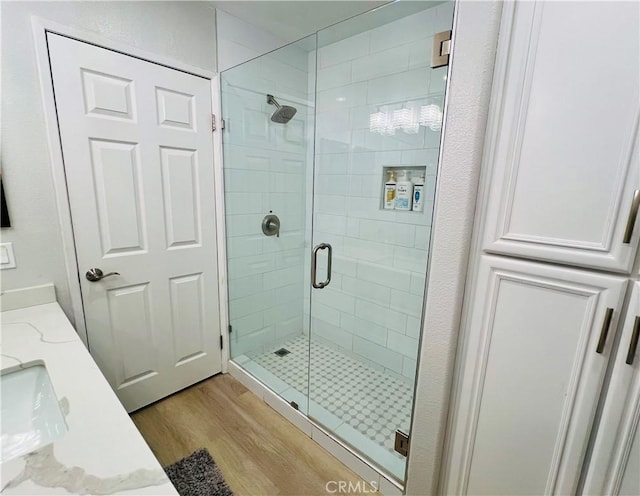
[{"x": 271, "y": 225}]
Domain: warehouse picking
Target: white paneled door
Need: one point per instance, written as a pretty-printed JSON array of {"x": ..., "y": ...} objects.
[{"x": 138, "y": 155}]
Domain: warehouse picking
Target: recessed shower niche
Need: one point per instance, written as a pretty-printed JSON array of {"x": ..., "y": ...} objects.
[
  {"x": 353, "y": 342},
  {"x": 400, "y": 183}
]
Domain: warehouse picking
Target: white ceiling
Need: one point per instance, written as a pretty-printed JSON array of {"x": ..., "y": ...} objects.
[{"x": 292, "y": 20}]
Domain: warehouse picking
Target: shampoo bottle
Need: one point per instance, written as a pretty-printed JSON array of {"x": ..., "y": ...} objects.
[
  {"x": 390, "y": 191},
  {"x": 404, "y": 192},
  {"x": 418, "y": 192}
]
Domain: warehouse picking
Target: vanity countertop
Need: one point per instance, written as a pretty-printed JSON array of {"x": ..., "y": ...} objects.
[{"x": 102, "y": 452}]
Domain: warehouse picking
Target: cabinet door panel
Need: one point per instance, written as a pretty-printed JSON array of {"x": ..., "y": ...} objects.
[
  {"x": 614, "y": 467},
  {"x": 531, "y": 377},
  {"x": 564, "y": 150},
  {"x": 630, "y": 477}
]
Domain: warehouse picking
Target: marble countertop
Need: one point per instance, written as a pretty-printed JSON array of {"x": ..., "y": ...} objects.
[{"x": 102, "y": 452}]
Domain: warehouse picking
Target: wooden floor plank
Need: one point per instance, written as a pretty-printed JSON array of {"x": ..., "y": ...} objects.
[{"x": 258, "y": 451}]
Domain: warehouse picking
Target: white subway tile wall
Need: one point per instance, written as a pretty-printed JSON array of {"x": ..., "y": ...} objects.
[
  {"x": 373, "y": 306},
  {"x": 327, "y": 155}
]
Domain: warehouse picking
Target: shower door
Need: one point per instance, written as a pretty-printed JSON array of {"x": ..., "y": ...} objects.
[
  {"x": 379, "y": 110},
  {"x": 326, "y": 272}
]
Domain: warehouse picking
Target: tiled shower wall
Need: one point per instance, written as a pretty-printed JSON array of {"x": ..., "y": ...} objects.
[
  {"x": 266, "y": 167},
  {"x": 373, "y": 306}
]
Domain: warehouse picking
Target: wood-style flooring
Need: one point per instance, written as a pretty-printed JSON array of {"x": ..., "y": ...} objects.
[{"x": 258, "y": 451}]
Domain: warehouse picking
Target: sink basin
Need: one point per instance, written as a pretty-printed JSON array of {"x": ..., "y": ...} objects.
[{"x": 31, "y": 415}]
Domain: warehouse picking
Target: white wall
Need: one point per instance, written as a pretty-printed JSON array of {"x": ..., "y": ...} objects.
[
  {"x": 183, "y": 31},
  {"x": 373, "y": 306},
  {"x": 476, "y": 35},
  {"x": 239, "y": 41}
]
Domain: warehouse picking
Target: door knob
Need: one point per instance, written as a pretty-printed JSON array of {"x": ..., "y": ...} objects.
[{"x": 94, "y": 275}]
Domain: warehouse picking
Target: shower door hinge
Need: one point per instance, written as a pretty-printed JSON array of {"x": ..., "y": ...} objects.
[
  {"x": 230, "y": 329},
  {"x": 221, "y": 342},
  {"x": 441, "y": 49},
  {"x": 213, "y": 123},
  {"x": 401, "y": 444}
]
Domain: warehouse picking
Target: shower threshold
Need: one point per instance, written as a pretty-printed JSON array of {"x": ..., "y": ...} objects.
[{"x": 357, "y": 402}]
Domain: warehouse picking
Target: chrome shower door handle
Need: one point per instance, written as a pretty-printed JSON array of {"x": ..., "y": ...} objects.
[
  {"x": 95, "y": 274},
  {"x": 314, "y": 264}
]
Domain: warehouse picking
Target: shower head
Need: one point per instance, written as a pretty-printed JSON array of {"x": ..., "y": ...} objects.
[{"x": 283, "y": 113}]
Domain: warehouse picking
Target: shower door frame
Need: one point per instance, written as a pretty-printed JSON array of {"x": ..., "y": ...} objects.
[{"x": 218, "y": 165}]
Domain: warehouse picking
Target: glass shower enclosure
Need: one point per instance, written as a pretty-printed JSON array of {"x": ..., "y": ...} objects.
[{"x": 331, "y": 149}]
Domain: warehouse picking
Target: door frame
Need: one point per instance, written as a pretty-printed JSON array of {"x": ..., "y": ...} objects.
[{"x": 40, "y": 28}]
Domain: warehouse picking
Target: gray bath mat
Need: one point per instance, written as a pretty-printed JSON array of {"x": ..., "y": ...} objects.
[{"x": 198, "y": 475}]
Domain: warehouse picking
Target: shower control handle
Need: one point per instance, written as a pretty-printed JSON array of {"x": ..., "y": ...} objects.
[
  {"x": 271, "y": 225},
  {"x": 314, "y": 264}
]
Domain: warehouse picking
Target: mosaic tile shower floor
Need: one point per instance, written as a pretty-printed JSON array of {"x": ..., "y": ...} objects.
[{"x": 361, "y": 404}]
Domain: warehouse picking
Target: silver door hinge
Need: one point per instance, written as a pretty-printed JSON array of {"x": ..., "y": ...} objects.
[
  {"x": 213, "y": 123},
  {"x": 401, "y": 444},
  {"x": 441, "y": 49}
]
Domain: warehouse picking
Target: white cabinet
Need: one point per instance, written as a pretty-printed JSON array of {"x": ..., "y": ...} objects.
[
  {"x": 614, "y": 467},
  {"x": 532, "y": 376},
  {"x": 563, "y": 143},
  {"x": 562, "y": 185}
]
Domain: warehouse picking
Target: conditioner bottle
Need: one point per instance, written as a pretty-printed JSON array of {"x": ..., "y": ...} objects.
[
  {"x": 404, "y": 192},
  {"x": 390, "y": 191},
  {"x": 418, "y": 194}
]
